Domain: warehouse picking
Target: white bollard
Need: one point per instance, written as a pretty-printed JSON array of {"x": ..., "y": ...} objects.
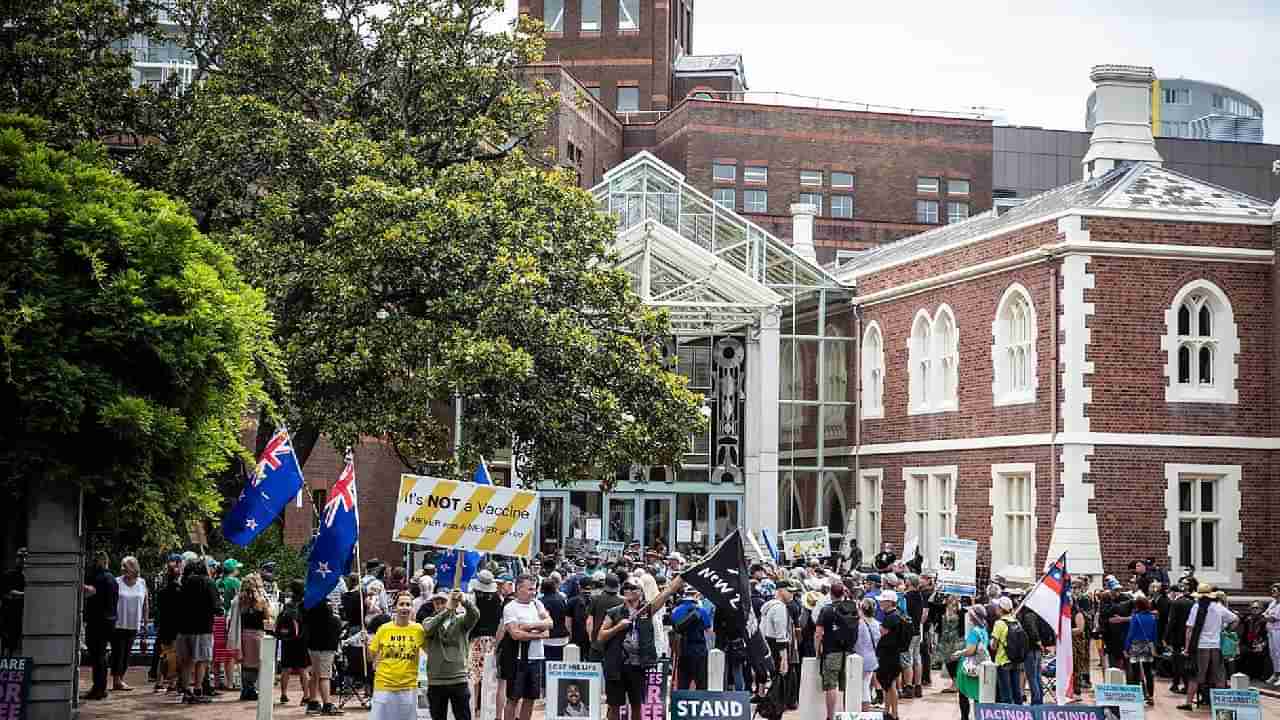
[
  {"x": 266, "y": 677},
  {"x": 812, "y": 702},
  {"x": 1239, "y": 681},
  {"x": 853, "y": 683},
  {"x": 715, "y": 671},
  {"x": 489, "y": 688},
  {"x": 1115, "y": 676},
  {"x": 572, "y": 653},
  {"x": 987, "y": 683}
]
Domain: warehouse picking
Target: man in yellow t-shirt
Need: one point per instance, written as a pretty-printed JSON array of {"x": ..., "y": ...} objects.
[{"x": 395, "y": 649}]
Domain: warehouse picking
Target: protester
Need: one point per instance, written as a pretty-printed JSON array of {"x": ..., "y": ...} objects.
[
  {"x": 628, "y": 636},
  {"x": 951, "y": 638},
  {"x": 689, "y": 622},
  {"x": 293, "y": 646},
  {"x": 447, "y": 642},
  {"x": 578, "y": 610},
  {"x": 1008, "y": 669},
  {"x": 322, "y": 629},
  {"x": 250, "y": 616},
  {"x": 100, "y": 608},
  {"x": 779, "y": 630},
  {"x": 885, "y": 559},
  {"x": 601, "y": 604},
  {"x": 1040, "y": 638},
  {"x": 168, "y": 599},
  {"x": 964, "y": 665},
  {"x": 866, "y": 645},
  {"x": 1272, "y": 614},
  {"x": 198, "y": 603},
  {"x": 131, "y": 616},
  {"x": 1140, "y": 645},
  {"x": 395, "y": 648},
  {"x": 895, "y": 638},
  {"x": 1204, "y": 633},
  {"x": 835, "y": 636},
  {"x": 1113, "y": 620},
  {"x": 918, "y": 613},
  {"x": 528, "y": 624},
  {"x": 1176, "y": 637},
  {"x": 557, "y": 608},
  {"x": 485, "y": 597},
  {"x": 1079, "y": 649}
]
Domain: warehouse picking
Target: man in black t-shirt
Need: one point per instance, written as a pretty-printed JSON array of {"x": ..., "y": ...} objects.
[
  {"x": 601, "y": 604},
  {"x": 101, "y": 593},
  {"x": 833, "y": 639},
  {"x": 894, "y": 640},
  {"x": 579, "y": 610},
  {"x": 918, "y": 613}
]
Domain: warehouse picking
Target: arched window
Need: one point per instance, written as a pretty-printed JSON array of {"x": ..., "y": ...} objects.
[
  {"x": 946, "y": 358},
  {"x": 1202, "y": 345},
  {"x": 1013, "y": 355},
  {"x": 872, "y": 372},
  {"x": 919, "y": 351},
  {"x": 833, "y": 509}
]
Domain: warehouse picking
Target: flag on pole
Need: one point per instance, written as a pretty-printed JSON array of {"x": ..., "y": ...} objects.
[
  {"x": 470, "y": 558},
  {"x": 276, "y": 479},
  {"x": 723, "y": 579},
  {"x": 1051, "y": 600},
  {"x": 339, "y": 527},
  {"x": 769, "y": 544}
]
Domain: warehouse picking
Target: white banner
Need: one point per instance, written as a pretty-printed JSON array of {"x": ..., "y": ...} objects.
[
  {"x": 806, "y": 543},
  {"x": 465, "y": 516}
]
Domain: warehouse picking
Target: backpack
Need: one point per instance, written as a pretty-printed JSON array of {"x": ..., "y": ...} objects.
[
  {"x": 1015, "y": 640},
  {"x": 845, "y": 621},
  {"x": 287, "y": 627}
]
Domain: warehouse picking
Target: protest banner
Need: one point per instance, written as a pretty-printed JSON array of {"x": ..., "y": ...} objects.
[
  {"x": 465, "y": 516},
  {"x": 700, "y": 704},
  {"x": 806, "y": 543},
  {"x": 573, "y": 690},
  {"x": 957, "y": 566},
  {"x": 15, "y": 687},
  {"x": 998, "y": 711},
  {"x": 610, "y": 550},
  {"x": 1127, "y": 700},
  {"x": 657, "y": 678},
  {"x": 1234, "y": 705}
]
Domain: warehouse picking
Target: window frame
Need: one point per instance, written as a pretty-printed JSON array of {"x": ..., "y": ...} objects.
[
  {"x": 810, "y": 174},
  {"x": 1002, "y": 559},
  {"x": 840, "y": 185},
  {"x": 761, "y": 170},
  {"x": 733, "y": 172},
  {"x": 747, "y": 203},
  {"x": 1226, "y": 516},
  {"x": 934, "y": 362},
  {"x": 939, "y": 518},
  {"x": 618, "y": 99},
  {"x": 1223, "y": 341},
  {"x": 814, "y": 199},
  {"x": 583, "y": 23},
  {"x": 733, "y": 197},
  {"x": 951, "y": 187},
  {"x": 623, "y": 11},
  {"x": 952, "y": 216},
  {"x": 558, "y": 25},
  {"x": 924, "y": 218},
  {"x": 832, "y": 206},
  {"x": 1006, "y": 349},
  {"x": 872, "y": 359},
  {"x": 1175, "y": 93},
  {"x": 928, "y": 185},
  {"x": 870, "y": 509}
]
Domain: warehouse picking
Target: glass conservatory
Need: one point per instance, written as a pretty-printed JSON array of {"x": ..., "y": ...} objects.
[{"x": 765, "y": 335}]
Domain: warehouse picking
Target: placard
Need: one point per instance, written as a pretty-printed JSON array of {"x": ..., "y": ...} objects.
[
  {"x": 998, "y": 711},
  {"x": 806, "y": 543},
  {"x": 957, "y": 566},
  {"x": 657, "y": 678},
  {"x": 573, "y": 690},
  {"x": 15, "y": 687},
  {"x": 1234, "y": 705},
  {"x": 610, "y": 550},
  {"x": 593, "y": 529},
  {"x": 684, "y": 531},
  {"x": 465, "y": 516},
  {"x": 1128, "y": 700},
  {"x": 703, "y": 705}
]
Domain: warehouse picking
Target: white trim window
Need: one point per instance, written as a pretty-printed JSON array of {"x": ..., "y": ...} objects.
[
  {"x": 927, "y": 212},
  {"x": 957, "y": 212},
  {"x": 628, "y": 14},
  {"x": 1202, "y": 504},
  {"x": 842, "y": 206},
  {"x": 957, "y": 187},
  {"x": 553, "y": 15},
  {"x": 814, "y": 199},
  {"x": 920, "y": 357},
  {"x": 724, "y": 172},
  {"x": 872, "y": 372},
  {"x": 755, "y": 174},
  {"x": 931, "y": 507},
  {"x": 590, "y": 19},
  {"x": 1013, "y": 521},
  {"x": 726, "y": 198},
  {"x": 755, "y": 201},
  {"x": 947, "y": 353},
  {"x": 1201, "y": 344},
  {"x": 870, "y": 504},
  {"x": 927, "y": 185},
  {"x": 842, "y": 180},
  {"x": 1013, "y": 354},
  {"x": 933, "y": 352}
]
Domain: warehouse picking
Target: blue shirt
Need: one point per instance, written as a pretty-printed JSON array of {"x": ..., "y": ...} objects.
[
  {"x": 695, "y": 639},
  {"x": 1142, "y": 627}
]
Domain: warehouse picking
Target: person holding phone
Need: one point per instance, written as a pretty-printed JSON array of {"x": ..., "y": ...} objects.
[{"x": 628, "y": 638}]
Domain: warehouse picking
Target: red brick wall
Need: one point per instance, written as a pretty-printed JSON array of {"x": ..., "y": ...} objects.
[
  {"x": 579, "y": 119},
  {"x": 1179, "y": 233}
]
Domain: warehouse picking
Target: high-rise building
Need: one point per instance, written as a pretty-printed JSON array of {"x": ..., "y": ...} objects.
[{"x": 159, "y": 57}]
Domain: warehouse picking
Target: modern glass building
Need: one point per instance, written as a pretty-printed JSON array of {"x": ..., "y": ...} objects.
[{"x": 764, "y": 334}]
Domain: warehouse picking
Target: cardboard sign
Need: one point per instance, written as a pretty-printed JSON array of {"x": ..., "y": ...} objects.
[
  {"x": 806, "y": 543},
  {"x": 15, "y": 687},
  {"x": 957, "y": 566},
  {"x": 465, "y": 516},
  {"x": 702, "y": 705},
  {"x": 657, "y": 678},
  {"x": 610, "y": 550},
  {"x": 1127, "y": 700},
  {"x": 997, "y": 711},
  {"x": 1234, "y": 705},
  {"x": 574, "y": 690}
]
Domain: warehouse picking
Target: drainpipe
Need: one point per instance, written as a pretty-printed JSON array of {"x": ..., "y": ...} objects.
[
  {"x": 857, "y": 423},
  {"x": 1053, "y": 386}
]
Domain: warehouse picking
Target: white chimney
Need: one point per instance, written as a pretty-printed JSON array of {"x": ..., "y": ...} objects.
[
  {"x": 802, "y": 231},
  {"x": 1122, "y": 119}
]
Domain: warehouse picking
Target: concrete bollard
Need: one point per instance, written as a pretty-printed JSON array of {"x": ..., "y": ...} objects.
[
  {"x": 1115, "y": 676},
  {"x": 489, "y": 688},
  {"x": 853, "y": 683},
  {"x": 266, "y": 678},
  {"x": 987, "y": 682},
  {"x": 1239, "y": 681},
  {"x": 812, "y": 702},
  {"x": 572, "y": 653},
  {"x": 715, "y": 671}
]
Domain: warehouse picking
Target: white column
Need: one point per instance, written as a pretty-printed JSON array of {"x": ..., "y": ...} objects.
[
  {"x": 266, "y": 677},
  {"x": 853, "y": 683},
  {"x": 715, "y": 671},
  {"x": 761, "y": 457},
  {"x": 572, "y": 653},
  {"x": 987, "y": 682},
  {"x": 813, "y": 704}
]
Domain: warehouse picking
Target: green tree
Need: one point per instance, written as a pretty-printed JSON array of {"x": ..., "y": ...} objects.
[
  {"x": 130, "y": 346},
  {"x": 369, "y": 162}
]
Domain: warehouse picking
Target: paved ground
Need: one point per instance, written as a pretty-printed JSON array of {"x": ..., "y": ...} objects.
[{"x": 142, "y": 703}]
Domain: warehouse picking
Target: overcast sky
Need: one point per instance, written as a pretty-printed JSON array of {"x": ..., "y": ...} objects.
[{"x": 1029, "y": 59}]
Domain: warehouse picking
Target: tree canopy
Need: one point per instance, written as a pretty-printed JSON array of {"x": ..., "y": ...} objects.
[{"x": 130, "y": 345}]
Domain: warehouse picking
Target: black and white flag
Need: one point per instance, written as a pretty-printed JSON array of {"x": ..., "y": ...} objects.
[{"x": 722, "y": 578}]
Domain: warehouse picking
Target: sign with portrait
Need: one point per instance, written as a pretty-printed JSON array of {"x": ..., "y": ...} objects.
[
  {"x": 1234, "y": 705},
  {"x": 1127, "y": 700},
  {"x": 957, "y": 566},
  {"x": 573, "y": 690}
]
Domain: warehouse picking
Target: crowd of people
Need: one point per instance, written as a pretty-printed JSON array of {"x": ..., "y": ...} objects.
[{"x": 630, "y": 612}]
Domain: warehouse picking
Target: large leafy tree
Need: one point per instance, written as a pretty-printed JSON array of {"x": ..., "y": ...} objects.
[
  {"x": 369, "y": 162},
  {"x": 130, "y": 345}
]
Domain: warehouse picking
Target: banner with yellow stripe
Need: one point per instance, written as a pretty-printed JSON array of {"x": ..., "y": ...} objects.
[{"x": 465, "y": 516}]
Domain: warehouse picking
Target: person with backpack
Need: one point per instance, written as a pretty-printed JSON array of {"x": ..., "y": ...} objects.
[
  {"x": 1040, "y": 638},
  {"x": 835, "y": 635},
  {"x": 1140, "y": 646},
  {"x": 1204, "y": 635},
  {"x": 689, "y": 623},
  {"x": 1009, "y": 641},
  {"x": 293, "y": 647}
]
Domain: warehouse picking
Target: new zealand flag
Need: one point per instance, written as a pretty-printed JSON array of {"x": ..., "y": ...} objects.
[
  {"x": 339, "y": 529},
  {"x": 276, "y": 480}
]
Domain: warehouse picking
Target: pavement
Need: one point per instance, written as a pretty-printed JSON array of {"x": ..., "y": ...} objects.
[{"x": 141, "y": 703}]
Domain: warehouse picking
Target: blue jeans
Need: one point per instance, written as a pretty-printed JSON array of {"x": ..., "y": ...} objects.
[
  {"x": 1035, "y": 681},
  {"x": 1009, "y": 684}
]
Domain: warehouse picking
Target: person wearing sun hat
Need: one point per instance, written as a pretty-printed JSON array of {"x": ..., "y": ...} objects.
[{"x": 1204, "y": 633}]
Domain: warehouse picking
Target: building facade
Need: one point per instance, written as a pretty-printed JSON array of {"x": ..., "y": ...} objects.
[{"x": 1182, "y": 108}]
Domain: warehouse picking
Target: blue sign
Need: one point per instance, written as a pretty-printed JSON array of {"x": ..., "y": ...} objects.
[{"x": 703, "y": 705}]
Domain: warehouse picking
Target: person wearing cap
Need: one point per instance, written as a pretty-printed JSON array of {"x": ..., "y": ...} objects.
[
  {"x": 894, "y": 640},
  {"x": 628, "y": 638},
  {"x": 778, "y": 628},
  {"x": 1113, "y": 617},
  {"x": 600, "y": 605},
  {"x": 229, "y": 584},
  {"x": 1204, "y": 633},
  {"x": 1008, "y": 673},
  {"x": 690, "y": 621},
  {"x": 885, "y": 559}
]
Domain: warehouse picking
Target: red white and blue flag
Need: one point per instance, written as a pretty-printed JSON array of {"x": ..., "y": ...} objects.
[
  {"x": 1051, "y": 600},
  {"x": 275, "y": 480},
  {"x": 336, "y": 541}
]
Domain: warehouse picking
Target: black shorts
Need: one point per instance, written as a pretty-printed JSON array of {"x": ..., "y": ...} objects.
[
  {"x": 887, "y": 673},
  {"x": 526, "y": 682},
  {"x": 627, "y": 689}
]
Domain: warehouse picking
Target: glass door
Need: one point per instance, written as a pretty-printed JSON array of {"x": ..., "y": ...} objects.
[
  {"x": 725, "y": 513},
  {"x": 658, "y": 525},
  {"x": 552, "y": 520},
  {"x": 620, "y": 511}
]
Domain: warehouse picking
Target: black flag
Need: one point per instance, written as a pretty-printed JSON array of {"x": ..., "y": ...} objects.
[{"x": 723, "y": 579}]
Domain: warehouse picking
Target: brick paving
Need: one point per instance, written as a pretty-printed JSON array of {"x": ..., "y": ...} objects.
[{"x": 142, "y": 703}]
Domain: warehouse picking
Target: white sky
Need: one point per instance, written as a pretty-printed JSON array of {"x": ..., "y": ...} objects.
[{"x": 1029, "y": 59}]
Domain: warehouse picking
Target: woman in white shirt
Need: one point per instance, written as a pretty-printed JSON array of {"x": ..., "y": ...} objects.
[{"x": 131, "y": 616}]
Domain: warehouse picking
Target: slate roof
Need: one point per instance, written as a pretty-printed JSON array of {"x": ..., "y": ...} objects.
[{"x": 1140, "y": 187}]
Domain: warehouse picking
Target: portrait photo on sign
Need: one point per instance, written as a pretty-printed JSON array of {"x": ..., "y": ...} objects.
[
  {"x": 947, "y": 560},
  {"x": 573, "y": 699},
  {"x": 573, "y": 690}
]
